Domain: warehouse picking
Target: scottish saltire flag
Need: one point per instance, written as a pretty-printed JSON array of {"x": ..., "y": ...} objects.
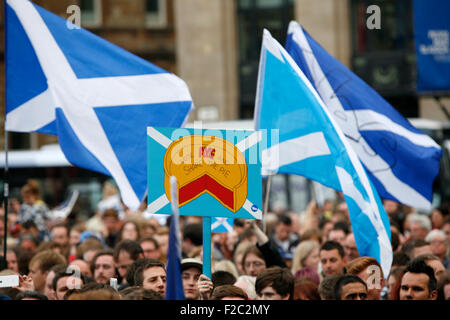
[
  {"x": 400, "y": 160},
  {"x": 174, "y": 283},
  {"x": 310, "y": 143},
  {"x": 221, "y": 225},
  {"x": 96, "y": 97}
]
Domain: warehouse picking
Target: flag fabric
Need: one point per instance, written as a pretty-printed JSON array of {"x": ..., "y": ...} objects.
[
  {"x": 221, "y": 225},
  {"x": 174, "y": 283},
  {"x": 310, "y": 143},
  {"x": 401, "y": 161},
  {"x": 96, "y": 97}
]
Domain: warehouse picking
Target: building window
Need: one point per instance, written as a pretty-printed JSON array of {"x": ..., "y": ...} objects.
[
  {"x": 253, "y": 17},
  {"x": 91, "y": 13},
  {"x": 155, "y": 13}
]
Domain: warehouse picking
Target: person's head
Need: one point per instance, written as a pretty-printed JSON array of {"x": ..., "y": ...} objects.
[
  {"x": 253, "y": 262},
  {"x": 444, "y": 286},
  {"x": 152, "y": 275},
  {"x": 247, "y": 283},
  {"x": 228, "y": 292},
  {"x": 306, "y": 289},
  {"x": 332, "y": 258},
  {"x": 350, "y": 287},
  {"x": 49, "y": 292},
  {"x": 162, "y": 237},
  {"x": 418, "y": 282},
  {"x": 75, "y": 234},
  {"x": 94, "y": 291},
  {"x": 82, "y": 266},
  {"x": 103, "y": 267},
  {"x": 129, "y": 231},
  {"x": 29, "y": 243},
  {"x": 438, "y": 243},
  {"x": 239, "y": 254},
  {"x": 191, "y": 269},
  {"x": 40, "y": 264},
  {"x": 12, "y": 260},
  {"x": 88, "y": 248},
  {"x": 394, "y": 282},
  {"x": 60, "y": 234},
  {"x": 136, "y": 293},
  {"x": 283, "y": 227},
  {"x": 325, "y": 227},
  {"x": 326, "y": 287},
  {"x": 226, "y": 265},
  {"x": 338, "y": 233},
  {"x": 446, "y": 228},
  {"x": 420, "y": 247},
  {"x": 192, "y": 237},
  {"x": 64, "y": 281},
  {"x": 29, "y": 227},
  {"x": 125, "y": 253},
  {"x": 306, "y": 254},
  {"x": 151, "y": 248},
  {"x": 419, "y": 226},
  {"x": 275, "y": 283},
  {"x": 369, "y": 270},
  {"x": 434, "y": 262},
  {"x": 30, "y": 192},
  {"x": 391, "y": 207},
  {"x": 400, "y": 259},
  {"x": 31, "y": 295},
  {"x": 110, "y": 219},
  {"x": 351, "y": 251}
]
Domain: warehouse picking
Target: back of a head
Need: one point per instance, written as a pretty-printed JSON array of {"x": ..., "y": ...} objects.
[
  {"x": 194, "y": 232},
  {"x": 47, "y": 259},
  {"x": 222, "y": 277},
  {"x": 326, "y": 287},
  {"x": 228, "y": 290},
  {"x": 226, "y": 265},
  {"x": 31, "y": 295},
  {"x": 99, "y": 294},
  {"x": 247, "y": 283},
  {"x": 280, "y": 279},
  {"x": 360, "y": 264},
  {"x": 132, "y": 247},
  {"x": 306, "y": 289},
  {"x": 137, "y": 293}
]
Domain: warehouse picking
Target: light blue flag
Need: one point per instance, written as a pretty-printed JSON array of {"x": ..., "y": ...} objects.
[
  {"x": 221, "y": 225},
  {"x": 309, "y": 143},
  {"x": 96, "y": 97},
  {"x": 401, "y": 161}
]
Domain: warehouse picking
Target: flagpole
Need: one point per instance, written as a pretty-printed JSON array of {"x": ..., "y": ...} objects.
[
  {"x": 6, "y": 178},
  {"x": 266, "y": 201}
]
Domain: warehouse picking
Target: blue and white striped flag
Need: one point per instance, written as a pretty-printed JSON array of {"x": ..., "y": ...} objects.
[
  {"x": 96, "y": 97},
  {"x": 401, "y": 161},
  {"x": 220, "y": 225},
  {"x": 310, "y": 143}
]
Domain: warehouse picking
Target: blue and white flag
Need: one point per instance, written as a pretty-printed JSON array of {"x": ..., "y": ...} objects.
[
  {"x": 96, "y": 97},
  {"x": 174, "y": 283},
  {"x": 220, "y": 225},
  {"x": 401, "y": 161},
  {"x": 310, "y": 143}
]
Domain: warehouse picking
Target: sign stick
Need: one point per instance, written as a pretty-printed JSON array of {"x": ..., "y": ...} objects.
[{"x": 207, "y": 246}]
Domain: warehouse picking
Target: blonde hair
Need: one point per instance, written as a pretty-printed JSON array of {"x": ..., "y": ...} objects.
[
  {"x": 226, "y": 265},
  {"x": 302, "y": 251}
]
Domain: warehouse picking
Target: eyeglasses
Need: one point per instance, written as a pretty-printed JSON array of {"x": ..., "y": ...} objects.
[{"x": 254, "y": 263}]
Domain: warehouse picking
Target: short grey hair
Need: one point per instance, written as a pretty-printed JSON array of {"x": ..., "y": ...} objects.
[
  {"x": 433, "y": 234},
  {"x": 424, "y": 221}
]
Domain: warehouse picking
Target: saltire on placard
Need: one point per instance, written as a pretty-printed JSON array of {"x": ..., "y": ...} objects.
[
  {"x": 96, "y": 97},
  {"x": 220, "y": 225},
  {"x": 401, "y": 161},
  {"x": 311, "y": 144}
]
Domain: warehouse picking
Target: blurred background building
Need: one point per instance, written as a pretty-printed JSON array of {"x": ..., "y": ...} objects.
[{"x": 214, "y": 45}]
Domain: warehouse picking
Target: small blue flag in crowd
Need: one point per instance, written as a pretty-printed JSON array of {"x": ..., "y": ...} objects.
[
  {"x": 96, "y": 97},
  {"x": 311, "y": 144},
  {"x": 220, "y": 225},
  {"x": 401, "y": 161}
]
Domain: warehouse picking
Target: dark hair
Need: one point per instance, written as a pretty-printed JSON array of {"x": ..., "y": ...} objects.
[
  {"x": 331, "y": 245},
  {"x": 194, "y": 232},
  {"x": 395, "y": 241},
  {"x": 149, "y": 263},
  {"x": 326, "y": 287},
  {"x": 136, "y": 225},
  {"x": 443, "y": 281},
  {"x": 228, "y": 290},
  {"x": 284, "y": 219},
  {"x": 344, "y": 280},
  {"x": 66, "y": 273},
  {"x": 151, "y": 239},
  {"x": 137, "y": 293},
  {"x": 400, "y": 259},
  {"x": 222, "y": 277},
  {"x": 341, "y": 225},
  {"x": 280, "y": 279},
  {"x": 132, "y": 270},
  {"x": 133, "y": 248},
  {"x": 110, "y": 213},
  {"x": 31, "y": 294},
  {"x": 419, "y": 266},
  {"x": 419, "y": 243},
  {"x": 28, "y": 224}
]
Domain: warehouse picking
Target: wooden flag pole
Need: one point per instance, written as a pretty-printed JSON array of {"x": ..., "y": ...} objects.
[
  {"x": 266, "y": 201},
  {"x": 207, "y": 246}
]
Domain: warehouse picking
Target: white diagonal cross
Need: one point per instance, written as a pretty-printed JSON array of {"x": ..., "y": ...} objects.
[{"x": 77, "y": 97}]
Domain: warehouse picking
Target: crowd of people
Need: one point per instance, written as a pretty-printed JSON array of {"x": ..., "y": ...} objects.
[{"x": 121, "y": 255}]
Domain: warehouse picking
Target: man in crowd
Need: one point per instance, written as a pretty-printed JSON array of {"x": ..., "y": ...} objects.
[
  {"x": 103, "y": 267},
  {"x": 332, "y": 258},
  {"x": 191, "y": 269},
  {"x": 350, "y": 287},
  {"x": 40, "y": 265},
  {"x": 275, "y": 283},
  {"x": 369, "y": 270},
  {"x": 418, "y": 282},
  {"x": 125, "y": 253},
  {"x": 151, "y": 248},
  {"x": 152, "y": 275}
]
